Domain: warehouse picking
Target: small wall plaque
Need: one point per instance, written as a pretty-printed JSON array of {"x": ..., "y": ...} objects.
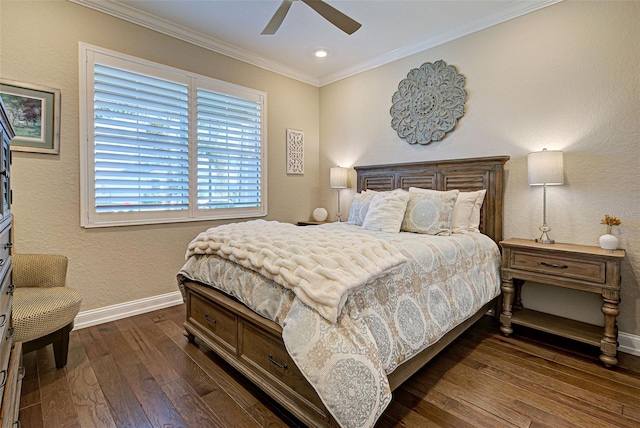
[{"x": 295, "y": 152}]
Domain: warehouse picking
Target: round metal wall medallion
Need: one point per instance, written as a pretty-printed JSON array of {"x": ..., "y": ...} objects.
[{"x": 428, "y": 103}]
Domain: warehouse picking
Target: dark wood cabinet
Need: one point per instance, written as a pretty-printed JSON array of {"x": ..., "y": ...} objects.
[{"x": 11, "y": 370}]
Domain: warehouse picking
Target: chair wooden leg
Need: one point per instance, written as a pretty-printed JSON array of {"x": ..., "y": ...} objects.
[
  {"x": 60, "y": 340},
  {"x": 61, "y": 346}
]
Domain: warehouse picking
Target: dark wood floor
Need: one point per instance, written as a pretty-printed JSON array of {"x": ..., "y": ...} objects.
[{"x": 141, "y": 372}]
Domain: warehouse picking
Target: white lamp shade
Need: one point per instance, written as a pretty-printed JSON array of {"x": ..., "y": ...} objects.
[
  {"x": 545, "y": 167},
  {"x": 338, "y": 178}
]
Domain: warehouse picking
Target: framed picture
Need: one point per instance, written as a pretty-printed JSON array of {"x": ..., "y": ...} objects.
[
  {"x": 34, "y": 112},
  {"x": 295, "y": 152}
]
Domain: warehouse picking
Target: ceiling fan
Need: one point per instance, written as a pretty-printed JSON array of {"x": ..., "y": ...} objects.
[{"x": 328, "y": 12}]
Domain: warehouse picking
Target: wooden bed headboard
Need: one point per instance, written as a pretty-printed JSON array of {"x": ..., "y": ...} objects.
[{"x": 466, "y": 175}]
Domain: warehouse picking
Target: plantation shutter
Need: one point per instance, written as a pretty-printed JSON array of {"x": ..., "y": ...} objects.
[
  {"x": 229, "y": 151},
  {"x": 162, "y": 145},
  {"x": 140, "y": 142}
]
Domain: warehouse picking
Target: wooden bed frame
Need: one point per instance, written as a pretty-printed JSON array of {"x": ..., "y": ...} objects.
[{"x": 225, "y": 326}]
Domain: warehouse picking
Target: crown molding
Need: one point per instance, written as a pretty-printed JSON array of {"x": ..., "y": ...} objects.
[
  {"x": 119, "y": 10},
  {"x": 504, "y": 14},
  {"x": 168, "y": 28}
]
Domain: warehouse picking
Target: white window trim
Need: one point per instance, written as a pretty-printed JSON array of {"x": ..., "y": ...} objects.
[{"x": 88, "y": 217}]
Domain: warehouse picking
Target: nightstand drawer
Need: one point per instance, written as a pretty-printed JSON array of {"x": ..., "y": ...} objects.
[{"x": 588, "y": 270}]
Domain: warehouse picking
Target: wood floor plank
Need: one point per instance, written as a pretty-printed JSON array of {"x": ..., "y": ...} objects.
[
  {"x": 142, "y": 335},
  {"x": 188, "y": 369},
  {"x": 465, "y": 410},
  {"x": 511, "y": 374},
  {"x": 133, "y": 330},
  {"x": 385, "y": 421},
  {"x": 57, "y": 403},
  {"x": 630, "y": 363},
  {"x": 271, "y": 414},
  {"x": 215, "y": 396},
  {"x": 482, "y": 380},
  {"x": 588, "y": 381},
  {"x": 632, "y": 412},
  {"x": 89, "y": 401},
  {"x": 534, "y": 376},
  {"x": 31, "y": 416},
  {"x": 430, "y": 412},
  {"x": 408, "y": 418},
  {"x": 156, "y": 405},
  {"x": 230, "y": 412},
  {"x": 255, "y": 402},
  {"x": 92, "y": 341},
  {"x": 545, "y": 409},
  {"x": 427, "y": 377},
  {"x": 123, "y": 403},
  {"x": 124, "y": 406},
  {"x": 475, "y": 415},
  {"x": 189, "y": 403},
  {"x": 173, "y": 330},
  {"x": 428, "y": 394},
  {"x": 30, "y": 393},
  {"x": 532, "y": 342},
  {"x": 237, "y": 387}
]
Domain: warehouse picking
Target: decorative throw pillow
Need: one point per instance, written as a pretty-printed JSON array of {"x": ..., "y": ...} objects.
[
  {"x": 474, "y": 220},
  {"x": 429, "y": 211},
  {"x": 462, "y": 212},
  {"x": 359, "y": 207},
  {"x": 386, "y": 211}
]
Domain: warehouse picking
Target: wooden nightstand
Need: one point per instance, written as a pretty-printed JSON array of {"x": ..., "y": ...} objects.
[
  {"x": 312, "y": 223},
  {"x": 579, "y": 267}
]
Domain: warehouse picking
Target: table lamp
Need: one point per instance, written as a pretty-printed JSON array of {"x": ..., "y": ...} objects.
[
  {"x": 338, "y": 180},
  {"x": 545, "y": 168}
]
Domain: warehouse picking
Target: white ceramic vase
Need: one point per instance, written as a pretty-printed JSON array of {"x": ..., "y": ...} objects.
[
  {"x": 320, "y": 214},
  {"x": 608, "y": 242}
]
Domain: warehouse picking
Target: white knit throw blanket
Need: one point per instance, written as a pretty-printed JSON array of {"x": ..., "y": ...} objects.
[{"x": 320, "y": 266}]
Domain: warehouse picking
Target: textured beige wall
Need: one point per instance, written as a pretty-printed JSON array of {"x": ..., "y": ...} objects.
[
  {"x": 39, "y": 45},
  {"x": 566, "y": 77}
]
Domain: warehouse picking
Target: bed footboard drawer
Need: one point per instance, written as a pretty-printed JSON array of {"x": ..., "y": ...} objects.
[
  {"x": 252, "y": 345},
  {"x": 268, "y": 355},
  {"x": 219, "y": 323}
]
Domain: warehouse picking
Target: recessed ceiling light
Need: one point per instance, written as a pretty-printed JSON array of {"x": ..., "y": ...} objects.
[{"x": 321, "y": 53}]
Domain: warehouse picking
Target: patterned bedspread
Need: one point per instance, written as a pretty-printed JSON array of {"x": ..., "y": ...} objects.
[{"x": 445, "y": 280}]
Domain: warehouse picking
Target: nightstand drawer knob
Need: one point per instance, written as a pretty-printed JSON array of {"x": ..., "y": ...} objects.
[{"x": 553, "y": 265}]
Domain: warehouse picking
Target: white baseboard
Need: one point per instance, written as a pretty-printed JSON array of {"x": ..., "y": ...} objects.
[
  {"x": 128, "y": 309},
  {"x": 629, "y": 343}
]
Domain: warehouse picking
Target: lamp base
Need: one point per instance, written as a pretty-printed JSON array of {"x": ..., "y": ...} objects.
[{"x": 544, "y": 238}]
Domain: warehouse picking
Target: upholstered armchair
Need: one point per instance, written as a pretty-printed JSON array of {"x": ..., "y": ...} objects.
[{"x": 43, "y": 307}]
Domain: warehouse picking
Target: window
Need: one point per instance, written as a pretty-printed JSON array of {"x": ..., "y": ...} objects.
[{"x": 163, "y": 145}]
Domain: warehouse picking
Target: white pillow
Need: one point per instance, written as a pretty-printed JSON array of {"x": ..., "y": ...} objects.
[
  {"x": 466, "y": 212},
  {"x": 474, "y": 220},
  {"x": 429, "y": 212},
  {"x": 386, "y": 211},
  {"x": 462, "y": 212},
  {"x": 359, "y": 207}
]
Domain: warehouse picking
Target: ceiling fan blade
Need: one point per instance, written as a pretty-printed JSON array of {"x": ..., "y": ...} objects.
[
  {"x": 334, "y": 16},
  {"x": 278, "y": 17}
]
